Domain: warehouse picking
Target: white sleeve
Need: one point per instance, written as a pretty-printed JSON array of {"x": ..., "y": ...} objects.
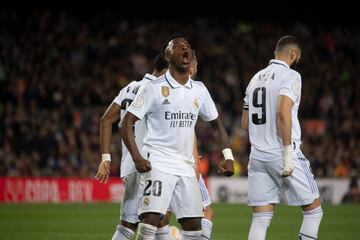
[
  {"x": 246, "y": 100},
  {"x": 208, "y": 110},
  {"x": 291, "y": 87},
  {"x": 143, "y": 102},
  {"x": 118, "y": 99}
]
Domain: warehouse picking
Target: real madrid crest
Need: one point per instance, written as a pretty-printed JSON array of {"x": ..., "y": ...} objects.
[
  {"x": 196, "y": 102},
  {"x": 165, "y": 91}
]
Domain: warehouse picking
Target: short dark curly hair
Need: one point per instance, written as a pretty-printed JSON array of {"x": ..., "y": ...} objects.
[
  {"x": 171, "y": 37},
  {"x": 160, "y": 62}
]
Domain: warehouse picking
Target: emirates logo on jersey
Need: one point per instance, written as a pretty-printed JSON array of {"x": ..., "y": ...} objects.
[
  {"x": 165, "y": 91},
  {"x": 180, "y": 119}
]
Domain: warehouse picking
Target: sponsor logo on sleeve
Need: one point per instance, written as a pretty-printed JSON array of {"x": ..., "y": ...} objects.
[
  {"x": 138, "y": 101},
  {"x": 295, "y": 88}
]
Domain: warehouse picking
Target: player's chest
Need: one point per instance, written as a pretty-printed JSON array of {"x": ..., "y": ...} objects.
[{"x": 179, "y": 99}]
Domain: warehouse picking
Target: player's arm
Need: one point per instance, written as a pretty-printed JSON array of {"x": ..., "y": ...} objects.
[
  {"x": 226, "y": 167},
  {"x": 208, "y": 112},
  {"x": 127, "y": 134},
  {"x": 245, "y": 119},
  {"x": 245, "y": 112},
  {"x": 290, "y": 92},
  {"x": 220, "y": 133},
  {"x": 111, "y": 115},
  {"x": 284, "y": 120},
  {"x": 142, "y": 104},
  {"x": 196, "y": 158}
]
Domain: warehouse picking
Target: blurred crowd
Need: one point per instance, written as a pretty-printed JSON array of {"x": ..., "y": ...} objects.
[{"x": 60, "y": 71}]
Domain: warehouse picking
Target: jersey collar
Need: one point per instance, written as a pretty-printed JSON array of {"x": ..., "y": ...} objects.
[
  {"x": 278, "y": 62},
  {"x": 174, "y": 84},
  {"x": 150, "y": 77}
]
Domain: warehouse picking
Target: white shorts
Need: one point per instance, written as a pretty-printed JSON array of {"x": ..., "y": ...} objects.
[
  {"x": 266, "y": 184},
  {"x": 162, "y": 191},
  {"x": 205, "y": 196},
  {"x": 130, "y": 202}
]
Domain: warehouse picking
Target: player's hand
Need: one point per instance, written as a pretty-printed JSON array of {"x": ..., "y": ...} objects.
[
  {"x": 288, "y": 168},
  {"x": 288, "y": 161},
  {"x": 103, "y": 172},
  {"x": 226, "y": 168},
  {"x": 142, "y": 165}
]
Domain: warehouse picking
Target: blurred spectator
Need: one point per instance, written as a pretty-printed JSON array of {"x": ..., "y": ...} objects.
[
  {"x": 59, "y": 71},
  {"x": 353, "y": 194}
]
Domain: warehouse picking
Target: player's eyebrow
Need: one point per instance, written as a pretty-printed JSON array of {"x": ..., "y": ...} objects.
[{"x": 178, "y": 42}]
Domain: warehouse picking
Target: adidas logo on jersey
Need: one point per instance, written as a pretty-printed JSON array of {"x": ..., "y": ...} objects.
[{"x": 165, "y": 102}]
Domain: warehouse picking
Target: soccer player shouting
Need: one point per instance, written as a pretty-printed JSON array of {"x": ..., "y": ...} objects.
[{"x": 170, "y": 106}]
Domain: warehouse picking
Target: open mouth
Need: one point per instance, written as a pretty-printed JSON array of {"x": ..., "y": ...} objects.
[{"x": 186, "y": 58}]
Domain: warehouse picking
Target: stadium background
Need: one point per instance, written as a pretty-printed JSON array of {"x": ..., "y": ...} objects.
[{"x": 59, "y": 70}]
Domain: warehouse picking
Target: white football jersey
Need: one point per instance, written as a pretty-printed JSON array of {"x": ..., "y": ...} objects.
[
  {"x": 170, "y": 111},
  {"x": 124, "y": 99},
  {"x": 261, "y": 100}
]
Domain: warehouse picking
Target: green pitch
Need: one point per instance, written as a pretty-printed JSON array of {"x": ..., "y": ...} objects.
[{"x": 97, "y": 221}]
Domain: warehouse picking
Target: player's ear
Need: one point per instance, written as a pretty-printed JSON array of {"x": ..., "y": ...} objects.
[{"x": 293, "y": 56}]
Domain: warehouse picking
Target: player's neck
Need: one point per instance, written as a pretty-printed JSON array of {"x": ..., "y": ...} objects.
[
  {"x": 284, "y": 59},
  {"x": 180, "y": 77}
]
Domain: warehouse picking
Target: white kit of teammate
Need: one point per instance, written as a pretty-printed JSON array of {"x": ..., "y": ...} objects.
[
  {"x": 115, "y": 112},
  {"x": 261, "y": 97},
  {"x": 276, "y": 162},
  {"x": 128, "y": 172}
]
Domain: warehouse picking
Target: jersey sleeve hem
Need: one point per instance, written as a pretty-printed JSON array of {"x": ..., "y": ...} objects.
[
  {"x": 117, "y": 102},
  {"x": 286, "y": 92},
  {"x": 212, "y": 118},
  {"x": 137, "y": 114}
]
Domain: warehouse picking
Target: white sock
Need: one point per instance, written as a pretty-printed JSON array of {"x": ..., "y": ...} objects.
[
  {"x": 310, "y": 225},
  {"x": 122, "y": 233},
  {"x": 162, "y": 233},
  {"x": 206, "y": 228},
  {"x": 191, "y": 235},
  {"x": 259, "y": 225},
  {"x": 146, "y": 232}
]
